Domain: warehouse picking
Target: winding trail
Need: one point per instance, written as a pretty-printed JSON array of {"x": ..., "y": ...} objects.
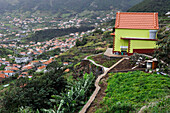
[{"x": 105, "y": 70}]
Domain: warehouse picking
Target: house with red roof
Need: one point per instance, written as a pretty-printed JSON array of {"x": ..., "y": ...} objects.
[
  {"x": 9, "y": 73},
  {"x": 35, "y": 62},
  {"x": 24, "y": 74},
  {"x": 28, "y": 67},
  {"x": 2, "y": 76},
  {"x": 8, "y": 67},
  {"x": 135, "y": 32},
  {"x": 65, "y": 63},
  {"x": 41, "y": 68},
  {"x": 47, "y": 62}
]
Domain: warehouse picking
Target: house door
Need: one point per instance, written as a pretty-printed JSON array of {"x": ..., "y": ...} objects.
[{"x": 124, "y": 50}]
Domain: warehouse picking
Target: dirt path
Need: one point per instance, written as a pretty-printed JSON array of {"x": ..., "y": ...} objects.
[
  {"x": 99, "y": 98},
  {"x": 105, "y": 70}
]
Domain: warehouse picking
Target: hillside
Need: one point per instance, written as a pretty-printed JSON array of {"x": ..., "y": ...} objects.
[
  {"x": 50, "y": 81},
  {"x": 160, "y": 6},
  {"x": 65, "y": 6},
  {"x": 4, "y": 52},
  {"x": 129, "y": 92},
  {"x": 51, "y": 33}
]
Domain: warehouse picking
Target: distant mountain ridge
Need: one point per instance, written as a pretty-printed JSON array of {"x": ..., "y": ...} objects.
[
  {"x": 65, "y": 5},
  {"x": 160, "y": 6}
]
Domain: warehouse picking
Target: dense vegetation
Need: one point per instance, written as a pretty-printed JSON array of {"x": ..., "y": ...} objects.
[
  {"x": 34, "y": 93},
  {"x": 73, "y": 100},
  {"x": 2, "y": 67},
  {"x": 81, "y": 43},
  {"x": 48, "y": 54},
  {"x": 160, "y": 107},
  {"x": 4, "y": 52},
  {"x": 163, "y": 50},
  {"x": 51, "y": 33},
  {"x": 128, "y": 92},
  {"x": 160, "y": 6},
  {"x": 65, "y": 6}
]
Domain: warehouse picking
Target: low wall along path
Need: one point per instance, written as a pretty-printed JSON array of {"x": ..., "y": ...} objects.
[{"x": 105, "y": 70}]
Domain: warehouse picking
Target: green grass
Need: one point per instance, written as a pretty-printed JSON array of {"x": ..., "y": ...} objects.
[
  {"x": 77, "y": 64},
  {"x": 65, "y": 15},
  {"x": 162, "y": 106},
  {"x": 109, "y": 63},
  {"x": 128, "y": 92},
  {"x": 4, "y": 52},
  {"x": 88, "y": 44},
  {"x": 90, "y": 58},
  {"x": 2, "y": 67}
]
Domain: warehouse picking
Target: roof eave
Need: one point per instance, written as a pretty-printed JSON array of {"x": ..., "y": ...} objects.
[{"x": 137, "y": 28}]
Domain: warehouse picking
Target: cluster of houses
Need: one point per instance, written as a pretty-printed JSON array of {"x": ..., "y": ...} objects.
[
  {"x": 26, "y": 63},
  {"x": 37, "y": 48},
  {"x": 21, "y": 27},
  {"x": 22, "y": 70}
]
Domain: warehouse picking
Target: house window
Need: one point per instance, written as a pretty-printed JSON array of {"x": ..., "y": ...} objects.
[{"x": 152, "y": 34}]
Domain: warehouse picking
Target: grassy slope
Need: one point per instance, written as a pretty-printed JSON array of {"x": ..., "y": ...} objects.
[
  {"x": 160, "y": 6},
  {"x": 4, "y": 52},
  {"x": 95, "y": 44},
  {"x": 130, "y": 91}
]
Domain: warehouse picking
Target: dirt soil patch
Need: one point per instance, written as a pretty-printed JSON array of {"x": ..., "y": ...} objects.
[
  {"x": 124, "y": 65},
  {"x": 104, "y": 61}
]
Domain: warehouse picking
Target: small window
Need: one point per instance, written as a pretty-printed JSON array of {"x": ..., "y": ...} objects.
[{"x": 152, "y": 34}]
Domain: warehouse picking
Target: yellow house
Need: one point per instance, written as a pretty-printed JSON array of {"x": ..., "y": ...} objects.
[{"x": 135, "y": 32}]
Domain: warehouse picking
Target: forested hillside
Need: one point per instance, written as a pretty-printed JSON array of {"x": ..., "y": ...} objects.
[
  {"x": 51, "y": 33},
  {"x": 160, "y": 6},
  {"x": 65, "y": 6}
]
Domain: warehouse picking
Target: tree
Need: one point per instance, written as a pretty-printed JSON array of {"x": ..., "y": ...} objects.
[
  {"x": 163, "y": 51},
  {"x": 34, "y": 93},
  {"x": 75, "y": 98}
]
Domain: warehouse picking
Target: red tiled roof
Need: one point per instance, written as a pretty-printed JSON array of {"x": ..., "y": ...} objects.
[
  {"x": 28, "y": 67},
  {"x": 8, "y": 71},
  {"x": 24, "y": 73},
  {"x": 56, "y": 56},
  {"x": 1, "y": 71},
  {"x": 14, "y": 68},
  {"x": 35, "y": 61},
  {"x": 134, "y": 20},
  {"x": 42, "y": 67},
  {"x": 67, "y": 70},
  {"x": 47, "y": 62},
  {"x": 3, "y": 75},
  {"x": 112, "y": 33}
]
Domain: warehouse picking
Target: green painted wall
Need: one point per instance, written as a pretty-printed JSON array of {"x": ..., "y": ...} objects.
[
  {"x": 142, "y": 44},
  {"x": 129, "y": 33},
  {"x": 133, "y": 33}
]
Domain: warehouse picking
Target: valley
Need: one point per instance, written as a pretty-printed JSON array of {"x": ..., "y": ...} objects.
[{"x": 84, "y": 56}]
